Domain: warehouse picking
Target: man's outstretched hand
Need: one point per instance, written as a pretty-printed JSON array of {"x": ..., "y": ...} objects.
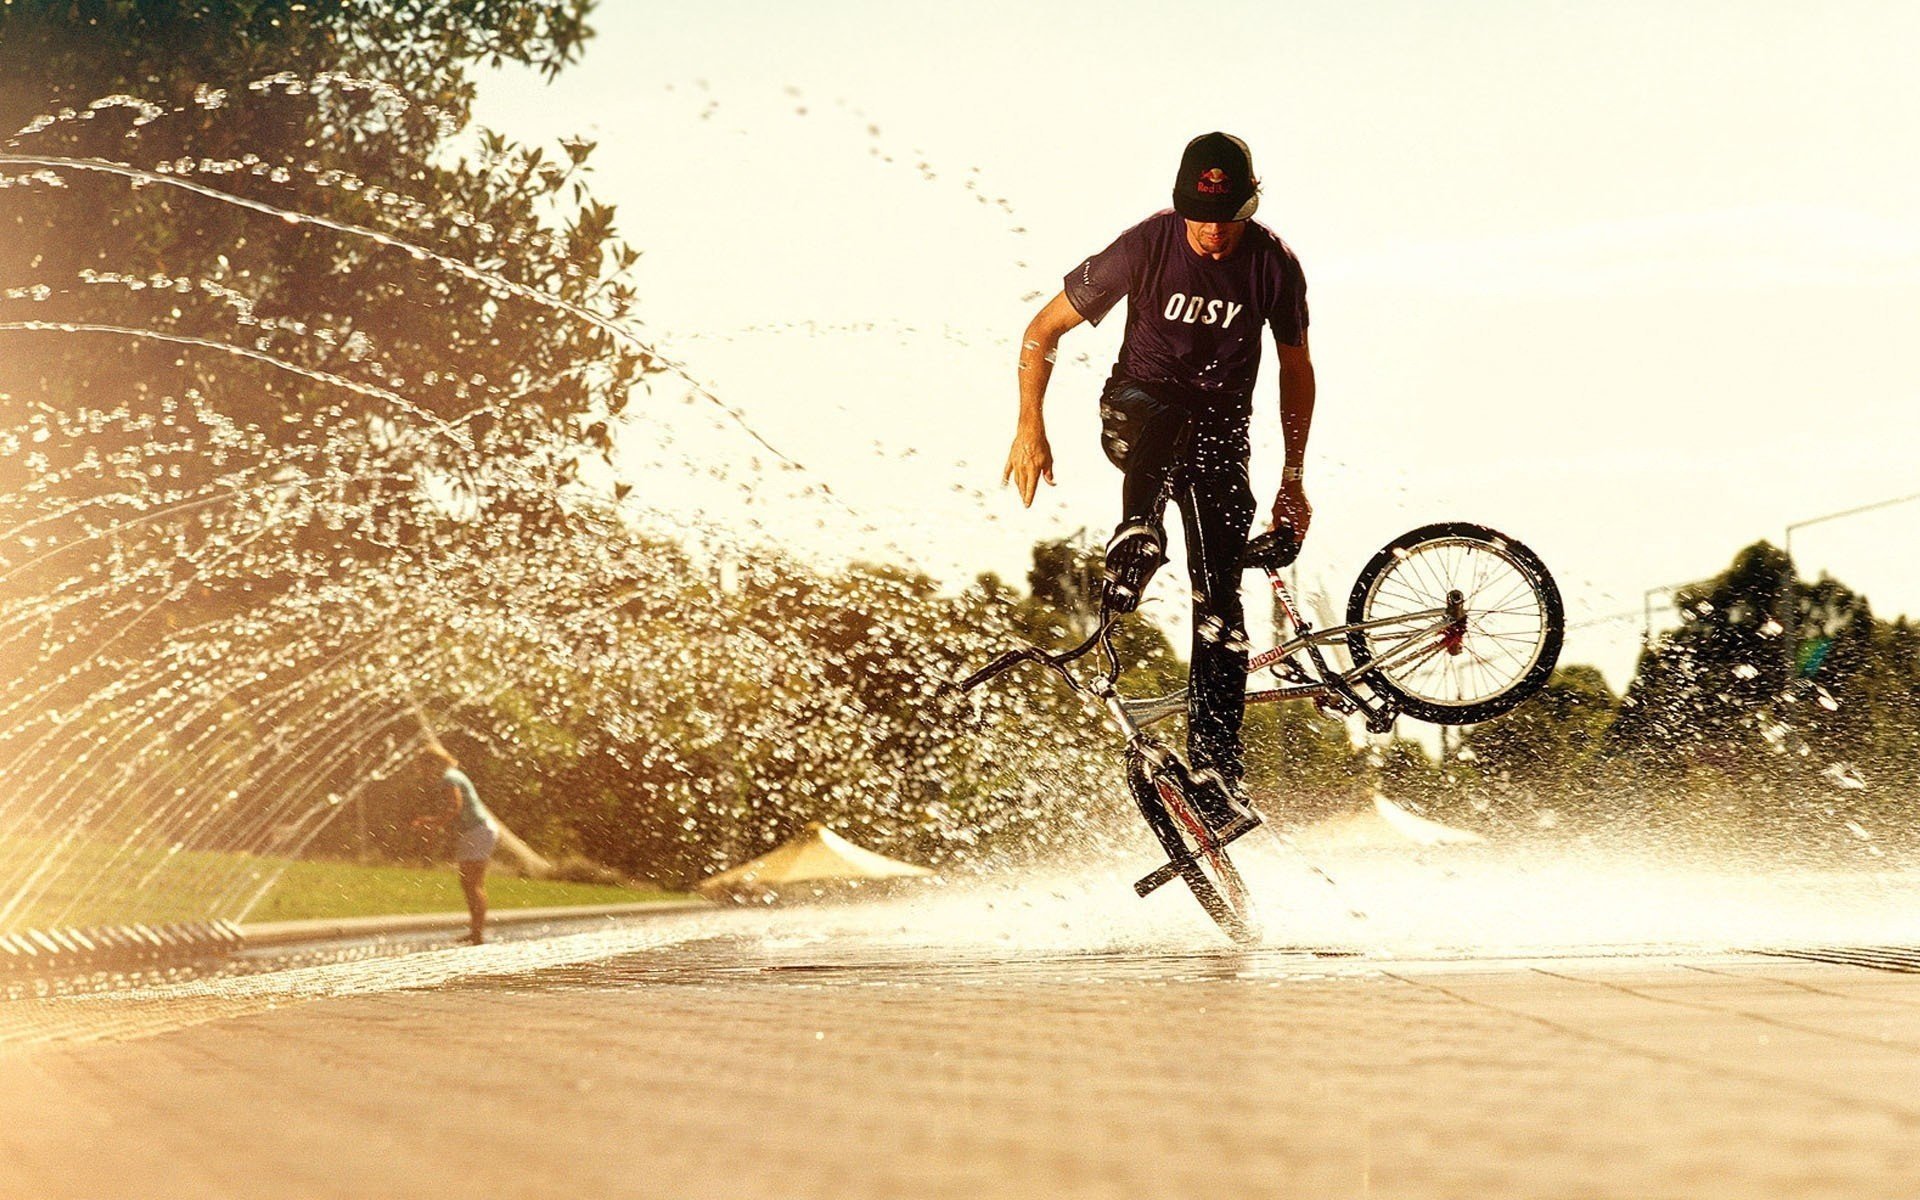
[
  {"x": 1030, "y": 461},
  {"x": 1290, "y": 507}
]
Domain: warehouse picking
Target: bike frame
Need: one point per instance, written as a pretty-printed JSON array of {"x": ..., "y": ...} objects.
[
  {"x": 1427, "y": 632},
  {"x": 1306, "y": 676}
]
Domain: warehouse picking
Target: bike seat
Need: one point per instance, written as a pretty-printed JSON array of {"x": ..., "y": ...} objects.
[{"x": 1272, "y": 550}]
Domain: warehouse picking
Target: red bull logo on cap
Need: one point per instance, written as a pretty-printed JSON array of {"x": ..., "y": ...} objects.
[{"x": 1212, "y": 182}]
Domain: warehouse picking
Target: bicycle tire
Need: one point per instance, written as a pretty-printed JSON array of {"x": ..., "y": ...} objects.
[
  {"x": 1163, "y": 794},
  {"x": 1514, "y": 614}
]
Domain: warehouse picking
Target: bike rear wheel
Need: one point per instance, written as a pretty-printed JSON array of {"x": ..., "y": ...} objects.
[
  {"x": 1499, "y": 650},
  {"x": 1164, "y": 794}
]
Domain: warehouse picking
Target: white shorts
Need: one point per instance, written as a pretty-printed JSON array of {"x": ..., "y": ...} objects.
[{"x": 476, "y": 844}]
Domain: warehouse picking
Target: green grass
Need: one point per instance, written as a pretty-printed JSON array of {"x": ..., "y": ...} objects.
[
  {"x": 333, "y": 889},
  {"x": 103, "y": 884}
]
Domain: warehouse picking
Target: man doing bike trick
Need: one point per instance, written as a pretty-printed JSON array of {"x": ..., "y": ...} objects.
[{"x": 1200, "y": 280}]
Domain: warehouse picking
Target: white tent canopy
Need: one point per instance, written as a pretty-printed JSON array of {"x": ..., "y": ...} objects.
[
  {"x": 816, "y": 855},
  {"x": 1385, "y": 826}
]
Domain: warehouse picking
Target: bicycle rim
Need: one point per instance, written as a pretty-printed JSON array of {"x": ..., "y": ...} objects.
[
  {"x": 1210, "y": 875},
  {"x": 1506, "y": 647}
]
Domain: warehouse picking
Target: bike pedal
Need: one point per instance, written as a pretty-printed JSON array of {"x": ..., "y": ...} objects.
[
  {"x": 1238, "y": 827},
  {"x": 1118, "y": 598},
  {"x": 1152, "y": 880}
]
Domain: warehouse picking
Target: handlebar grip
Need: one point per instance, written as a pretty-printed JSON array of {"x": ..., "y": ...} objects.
[
  {"x": 994, "y": 668},
  {"x": 1272, "y": 550}
]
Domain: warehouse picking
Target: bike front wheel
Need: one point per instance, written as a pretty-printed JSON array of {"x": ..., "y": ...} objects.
[
  {"x": 1164, "y": 794},
  {"x": 1460, "y": 622}
]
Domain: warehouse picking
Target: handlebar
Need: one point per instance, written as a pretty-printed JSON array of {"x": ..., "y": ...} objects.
[
  {"x": 1272, "y": 550},
  {"x": 1101, "y": 637},
  {"x": 1004, "y": 661}
]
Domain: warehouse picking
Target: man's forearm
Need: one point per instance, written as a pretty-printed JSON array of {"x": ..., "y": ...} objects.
[
  {"x": 1036, "y": 368},
  {"x": 1296, "y": 415},
  {"x": 1031, "y": 460}
]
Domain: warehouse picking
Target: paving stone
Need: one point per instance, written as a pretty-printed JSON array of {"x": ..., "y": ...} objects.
[{"x": 721, "y": 1060}]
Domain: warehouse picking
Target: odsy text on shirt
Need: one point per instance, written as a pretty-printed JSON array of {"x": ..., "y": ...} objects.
[{"x": 1190, "y": 310}]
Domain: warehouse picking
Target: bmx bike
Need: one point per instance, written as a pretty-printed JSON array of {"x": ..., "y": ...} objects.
[{"x": 1450, "y": 623}]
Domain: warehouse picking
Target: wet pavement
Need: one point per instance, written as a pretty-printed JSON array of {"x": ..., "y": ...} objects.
[{"x": 1018, "y": 1044}]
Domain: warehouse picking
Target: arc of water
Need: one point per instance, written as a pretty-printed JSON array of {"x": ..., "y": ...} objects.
[
  {"x": 294, "y": 781},
  {"x": 361, "y": 696},
  {"x": 223, "y": 881},
  {"x": 299, "y": 776},
  {"x": 225, "y": 485},
  {"x": 35, "y": 753},
  {"x": 184, "y": 505},
  {"x": 391, "y": 100},
  {"x": 191, "y": 757},
  {"x": 79, "y": 771},
  {"x": 176, "y": 509},
  {"x": 171, "y": 594},
  {"x": 40, "y": 881},
  {"x": 548, "y": 638},
  {"x": 299, "y": 791},
  {"x": 35, "y": 876},
  {"x": 12, "y": 724},
  {"x": 239, "y": 303},
  {"x": 237, "y": 770},
  {"x": 68, "y": 598},
  {"x": 615, "y": 329},
  {"x": 372, "y": 391},
  {"x": 401, "y": 755},
  {"x": 241, "y": 769}
]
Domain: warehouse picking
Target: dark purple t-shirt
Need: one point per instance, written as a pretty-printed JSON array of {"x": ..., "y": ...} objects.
[{"x": 1193, "y": 323}]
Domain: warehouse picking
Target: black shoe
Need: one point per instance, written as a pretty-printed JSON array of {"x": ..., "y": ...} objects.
[
  {"x": 1135, "y": 553},
  {"x": 1221, "y": 799}
]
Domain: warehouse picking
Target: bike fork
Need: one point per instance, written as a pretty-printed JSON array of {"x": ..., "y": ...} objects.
[{"x": 1137, "y": 740}]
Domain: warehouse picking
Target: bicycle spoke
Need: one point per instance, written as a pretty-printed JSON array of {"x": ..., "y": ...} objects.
[{"x": 1506, "y": 621}]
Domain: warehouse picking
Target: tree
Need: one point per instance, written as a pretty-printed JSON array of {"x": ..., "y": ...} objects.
[
  {"x": 1543, "y": 755},
  {"x": 287, "y": 355},
  {"x": 338, "y": 111},
  {"x": 1065, "y": 583},
  {"x": 1780, "y": 707},
  {"x": 1698, "y": 694}
]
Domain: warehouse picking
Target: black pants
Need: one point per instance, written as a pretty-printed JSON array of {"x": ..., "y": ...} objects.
[{"x": 1205, "y": 473}]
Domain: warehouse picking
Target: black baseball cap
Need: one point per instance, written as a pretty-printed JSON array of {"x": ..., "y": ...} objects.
[{"x": 1216, "y": 180}]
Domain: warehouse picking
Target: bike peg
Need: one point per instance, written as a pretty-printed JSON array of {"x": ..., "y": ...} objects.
[{"x": 1272, "y": 550}]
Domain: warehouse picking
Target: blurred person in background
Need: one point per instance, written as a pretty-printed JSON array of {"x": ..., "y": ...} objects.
[{"x": 475, "y": 831}]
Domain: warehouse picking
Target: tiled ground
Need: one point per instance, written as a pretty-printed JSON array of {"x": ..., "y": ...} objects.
[{"x": 717, "y": 1059}]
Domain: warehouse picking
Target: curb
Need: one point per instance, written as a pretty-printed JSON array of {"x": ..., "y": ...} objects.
[
  {"x": 55, "y": 954},
  {"x": 38, "y": 952},
  {"x": 328, "y": 929}
]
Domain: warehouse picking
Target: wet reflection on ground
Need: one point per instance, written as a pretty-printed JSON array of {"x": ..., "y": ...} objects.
[
  {"x": 1058, "y": 934},
  {"x": 734, "y": 959}
]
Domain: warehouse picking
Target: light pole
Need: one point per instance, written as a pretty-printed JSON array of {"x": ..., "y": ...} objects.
[
  {"x": 1671, "y": 589},
  {"x": 1790, "y": 618},
  {"x": 1835, "y": 516},
  {"x": 1646, "y": 627}
]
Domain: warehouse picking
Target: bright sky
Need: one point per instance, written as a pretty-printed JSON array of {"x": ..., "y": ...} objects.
[{"x": 1633, "y": 282}]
